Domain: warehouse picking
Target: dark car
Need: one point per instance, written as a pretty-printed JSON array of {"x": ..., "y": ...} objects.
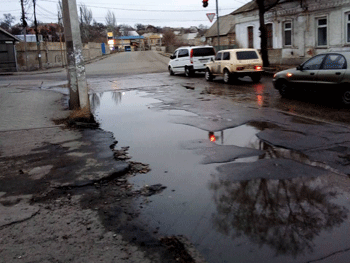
[{"x": 327, "y": 72}]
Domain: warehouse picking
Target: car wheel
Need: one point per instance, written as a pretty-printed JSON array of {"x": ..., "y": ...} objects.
[
  {"x": 208, "y": 75},
  {"x": 171, "y": 72},
  {"x": 345, "y": 97},
  {"x": 256, "y": 78},
  {"x": 227, "y": 76},
  {"x": 284, "y": 89},
  {"x": 188, "y": 72}
]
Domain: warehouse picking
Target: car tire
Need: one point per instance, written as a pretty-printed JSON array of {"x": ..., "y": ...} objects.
[
  {"x": 208, "y": 75},
  {"x": 227, "y": 76},
  {"x": 284, "y": 88},
  {"x": 256, "y": 77},
  {"x": 171, "y": 72},
  {"x": 188, "y": 72},
  {"x": 345, "y": 96}
]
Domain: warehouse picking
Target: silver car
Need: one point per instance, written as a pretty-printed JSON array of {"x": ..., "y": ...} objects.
[{"x": 328, "y": 72}]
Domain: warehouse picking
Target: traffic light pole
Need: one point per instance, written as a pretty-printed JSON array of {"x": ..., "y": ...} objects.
[{"x": 217, "y": 23}]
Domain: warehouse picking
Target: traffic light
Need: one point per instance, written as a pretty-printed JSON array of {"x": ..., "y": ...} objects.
[{"x": 205, "y": 3}]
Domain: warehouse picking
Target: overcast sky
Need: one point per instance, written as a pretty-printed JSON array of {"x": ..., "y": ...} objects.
[{"x": 173, "y": 13}]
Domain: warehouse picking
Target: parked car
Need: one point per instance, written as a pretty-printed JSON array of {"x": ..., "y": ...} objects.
[
  {"x": 328, "y": 72},
  {"x": 235, "y": 63},
  {"x": 189, "y": 60}
]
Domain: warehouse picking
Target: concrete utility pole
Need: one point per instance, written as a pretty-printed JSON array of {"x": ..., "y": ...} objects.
[
  {"x": 24, "y": 23},
  {"x": 78, "y": 89}
]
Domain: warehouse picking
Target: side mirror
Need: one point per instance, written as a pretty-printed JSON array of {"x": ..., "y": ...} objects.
[
  {"x": 299, "y": 67},
  {"x": 172, "y": 57},
  {"x": 212, "y": 59}
]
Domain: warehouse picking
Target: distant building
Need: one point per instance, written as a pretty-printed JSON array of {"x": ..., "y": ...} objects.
[
  {"x": 153, "y": 39},
  {"x": 130, "y": 43}
]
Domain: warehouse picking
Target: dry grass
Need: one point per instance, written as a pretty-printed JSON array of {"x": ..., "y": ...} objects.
[
  {"x": 83, "y": 114},
  {"x": 79, "y": 117}
]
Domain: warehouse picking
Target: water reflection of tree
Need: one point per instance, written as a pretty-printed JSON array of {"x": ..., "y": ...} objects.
[
  {"x": 95, "y": 100},
  {"x": 117, "y": 97},
  {"x": 283, "y": 214}
]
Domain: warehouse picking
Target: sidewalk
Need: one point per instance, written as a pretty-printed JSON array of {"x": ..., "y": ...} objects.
[
  {"x": 57, "y": 192},
  {"x": 37, "y": 157}
]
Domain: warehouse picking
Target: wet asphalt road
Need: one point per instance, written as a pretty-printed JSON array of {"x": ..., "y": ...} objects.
[{"x": 250, "y": 177}]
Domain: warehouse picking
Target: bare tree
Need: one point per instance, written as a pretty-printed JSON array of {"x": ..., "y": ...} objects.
[
  {"x": 85, "y": 20},
  {"x": 7, "y": 21},
  {"x": 169, "y": 38},
  {"x": 111, "y": 23}
]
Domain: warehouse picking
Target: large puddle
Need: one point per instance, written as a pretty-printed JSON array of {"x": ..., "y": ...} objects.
[{"x": 235, "y": 197}]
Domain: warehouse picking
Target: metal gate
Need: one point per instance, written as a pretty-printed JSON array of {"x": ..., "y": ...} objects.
[{"x": 7, "y": 56}]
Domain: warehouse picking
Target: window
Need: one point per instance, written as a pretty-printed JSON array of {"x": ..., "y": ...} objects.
[
  {"x": 250, "y": 37},
  {"x": 334, "y": 61},
  {"x": 183, "y": 53},
  {"x": 287, "y": 35},
  {"x": 314, "y": 63},
  {"x": 202, "y": 52},
  {"x": 269, "y": 33},
  {"x": 218, "y": 56},
  {"x": 243, "y": 55},
  {"x": 348, "y": 28},
  {"x": 322, "y": 32},
  {"x": 175, "y": 54},
  {"x": 226, "y": 56}
]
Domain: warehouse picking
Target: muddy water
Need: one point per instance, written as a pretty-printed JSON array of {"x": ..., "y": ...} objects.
[{"x": 236, "y": 198}]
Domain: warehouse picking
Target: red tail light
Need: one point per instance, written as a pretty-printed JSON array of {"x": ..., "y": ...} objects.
[
  {"x": 258, "y": 67},
  {"x": 191, "y": 56},
  {"x": 212, "y": 138},
  {"x": 239, "y": 68}
]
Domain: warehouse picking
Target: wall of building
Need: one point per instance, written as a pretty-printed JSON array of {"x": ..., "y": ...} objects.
[
  {"x": 304, "y": 28},
  {"x": 52, "y": 54}
]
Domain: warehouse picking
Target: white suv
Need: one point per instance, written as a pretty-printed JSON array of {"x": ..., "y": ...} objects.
[{"x": 188, "y": 60}]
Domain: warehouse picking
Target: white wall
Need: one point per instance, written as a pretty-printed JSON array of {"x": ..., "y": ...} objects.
[{"x": 304, "y": 28}]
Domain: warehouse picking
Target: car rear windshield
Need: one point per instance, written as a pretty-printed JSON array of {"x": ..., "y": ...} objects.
[
  {"x": 241, "y": 55},
  {"x": 202, "y": 52}
]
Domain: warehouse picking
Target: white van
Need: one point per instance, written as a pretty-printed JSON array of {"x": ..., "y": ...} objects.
[{"x": 189, "y": 60}]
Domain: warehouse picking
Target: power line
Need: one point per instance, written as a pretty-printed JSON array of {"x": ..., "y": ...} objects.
[{"x": 148, "y": 10}]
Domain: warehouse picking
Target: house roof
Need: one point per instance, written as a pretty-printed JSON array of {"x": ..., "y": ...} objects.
[
  {"x": 190, "y": 36},
  {"x": 252, "y": 5},
  {"x": 152, "y": 35},
  {"x": 9, "y": 35},
  {"x": 130, "y": 37},
  {"x": 226, "y": 25}
]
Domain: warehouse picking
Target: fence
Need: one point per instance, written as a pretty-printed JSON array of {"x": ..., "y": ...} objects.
[{"x": 53, "y": 54}]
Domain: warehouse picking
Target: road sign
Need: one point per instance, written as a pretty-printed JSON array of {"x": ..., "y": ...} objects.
[{"x": 211, "y": 16}]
